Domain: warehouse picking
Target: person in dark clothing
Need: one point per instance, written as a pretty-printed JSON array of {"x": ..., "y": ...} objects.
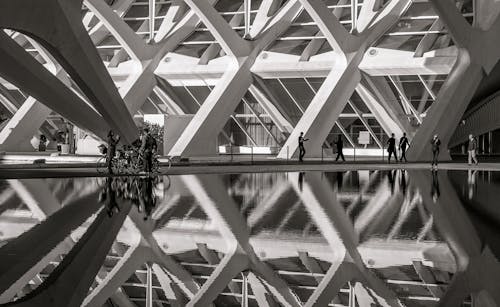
[
  {"x": 111, "y": 152},
  {"x": 340, "y": 147},
  {"x": 471, "y": 149},
  {"x": 148, "y": 148},
  {"x": 302, "y": 150},
  {"x": 435, "y": 143},
  {"x": 391, "y": 148},
  {"x": 403, "y": 145},
  {"x": 42, "y": 146}
]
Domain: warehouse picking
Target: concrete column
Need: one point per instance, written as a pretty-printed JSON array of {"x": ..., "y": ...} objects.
[
  {"x": 331, "y": 98},
  {"x": 99, "y": 32},
  {"x": 339, "y": 232},
  {"x": 70, "y": 282},
  {"x": 172, "y": 291},
  {"x": 382, "y": 91},
  {"x": 478, "y": 47},
  {"x": 224, "y": 98},
  {"x": 458, "y": 91},
  {"x": 134, "y": 257},
  {"x": 383, "y": 117},
  {"x": 20, "y": 256},
  {"x": 176, "y": 10},
  {"x": 28, "y": 74},
  {"x": 16, "y": 135},
  {"x": 139, "y": 85},
  {"x": 477, "y": 268},
  {"x": 65, "y": 37},
  {"x": 221, "y": 209}
]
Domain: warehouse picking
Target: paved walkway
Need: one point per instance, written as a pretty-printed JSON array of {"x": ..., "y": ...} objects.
[{"x": 87, "y": 169}]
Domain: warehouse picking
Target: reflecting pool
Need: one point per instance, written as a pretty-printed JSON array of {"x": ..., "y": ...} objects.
[{"x": 355, "y": 238}]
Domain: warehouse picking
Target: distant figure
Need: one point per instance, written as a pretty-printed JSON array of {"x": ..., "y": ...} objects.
[
  {"x": 111, "y": 152},
  {"x": 302, "y": 150},
  {"x": 403, "y": 145},
  {"x": 148, "y": 147},
  {"x": 340, "y": 147},
  {"x": 435, "y": 143},
  {"x": 472, "y": 148},
  {"x": 391, "y": 148},
  {"x": 42, "y": 145}
]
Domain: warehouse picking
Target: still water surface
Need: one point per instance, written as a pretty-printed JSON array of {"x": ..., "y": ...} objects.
[{"x": 409, "y": 233}]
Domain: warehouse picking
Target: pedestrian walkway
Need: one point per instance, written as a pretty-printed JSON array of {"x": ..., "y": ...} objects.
[{"x": 72, "y": 167}]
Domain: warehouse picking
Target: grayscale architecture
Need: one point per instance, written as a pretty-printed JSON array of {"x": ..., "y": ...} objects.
[
  {"x": 246, "y": 78},
  {"x": 251, "y": 75}
]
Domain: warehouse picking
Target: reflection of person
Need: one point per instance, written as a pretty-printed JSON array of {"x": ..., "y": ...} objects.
[
  {"x": 108, "y": 195},
  {"x": 340, "y": 180},
  {"x": 472, "y": 148},
  {"x": 403, "y": 145},
  {"x": 302, "y": 150},
  {"x": 391, "y": 148},
  {"x": 471, "y": 180},
  {"x": 340, "y": 147},
  {"x": 42, "y": 145},
  {"x": 435, "y": 193},
  {"x": 402, "y": 181},
  {"x": 391, "y": 176},
  {"x": 146, "y": 197},
  {"x": 301, "y": 180},
  {"x": 111, "y": 152},
  {"x": 435, "y": 143}
]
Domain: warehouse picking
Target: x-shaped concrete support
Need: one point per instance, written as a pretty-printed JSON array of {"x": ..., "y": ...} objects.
[
  {"x": 240, "y": 256},
  {"x": 68, "y": 284},
  {"x": 332, "y": 96},
  {"x": 200, "y": 134},
  {"x": 478, "y": 52},
  {"x": 57, "y": 26},
  {"x": 177, "y": 283},
  {"x": 347, "y": 263},
  {"x": 478, "y": 270}
]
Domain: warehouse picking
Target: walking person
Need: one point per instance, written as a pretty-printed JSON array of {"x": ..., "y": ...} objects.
[
  {"x": 391, "y": 148},
  {"x": 340, "y": 148},
  {"x": 111, "y": 152},
  {"x": 302, "y": 150},
  {"x": 403, "y": 145},
  {"x": 435, "y": 143},
  {"x": 148, "y": 148},
  {"x": 472, "y": 149}
]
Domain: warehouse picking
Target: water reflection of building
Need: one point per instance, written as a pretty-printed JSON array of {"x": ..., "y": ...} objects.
[{"x": 399, "y": 245}]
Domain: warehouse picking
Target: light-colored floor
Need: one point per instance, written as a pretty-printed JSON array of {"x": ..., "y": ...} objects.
[{"x": 86, "y": 169}]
